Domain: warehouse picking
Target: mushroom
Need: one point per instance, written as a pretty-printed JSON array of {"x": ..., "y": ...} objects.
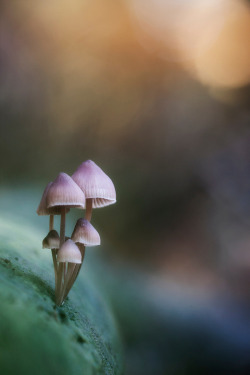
[
  {"x": 43, "y": 210},
  {"x": 84, "y": 234},
  {"x": 98, "y": 188},
  {"x": 52, "y": 240},
  {"x": 68, "y": 253},
  {"x": 74, "y": 273},
  {"x": 62, "y": 194}
]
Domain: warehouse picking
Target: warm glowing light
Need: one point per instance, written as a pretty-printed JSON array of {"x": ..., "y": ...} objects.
[
  {"x": 209, "y": 37},
  {"x": 178, "y": 23},
  {"x": 226, "y": 61}
]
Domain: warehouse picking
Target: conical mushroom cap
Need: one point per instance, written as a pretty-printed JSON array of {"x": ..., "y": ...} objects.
[
  {"x": 42, "y": 208},
  {"x": 65, "y": 192},
  {"x": 52, "y": 240},
  {"x": 95, "y": 184},
  {"x": 69, "y": 252},
  {"x": 85, "y": 233}
]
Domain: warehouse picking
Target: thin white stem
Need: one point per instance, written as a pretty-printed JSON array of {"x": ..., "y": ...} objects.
[
  {"x": 74, "y": 274},
  {"x": 64, "y": 271},
  {"x": 51, "y": 222},
  {"x": 70, "y": 282},
  {"x": 88, "y": 212},
  {"x": 79, "y": 266},
  {"x": 53, "y": 251},
  {"x": 62, "y": 225},
  {"x": 59, "y": 284},
  {"x": 70, "y": 270}
]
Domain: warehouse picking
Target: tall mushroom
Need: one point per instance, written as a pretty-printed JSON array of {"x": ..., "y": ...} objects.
[
  {"x": 44, "y": 210},
  {"x": 63, "y": 193},
  {"x": 98, "y": 188}
]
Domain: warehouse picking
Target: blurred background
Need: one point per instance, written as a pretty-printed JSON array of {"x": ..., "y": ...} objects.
[{"x": 157, "y": 94}]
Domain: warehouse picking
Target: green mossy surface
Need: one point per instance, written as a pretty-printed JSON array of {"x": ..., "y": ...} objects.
[{"x": 36, "y": 337}]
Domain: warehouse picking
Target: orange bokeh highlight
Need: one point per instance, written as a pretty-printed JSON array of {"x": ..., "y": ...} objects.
[
  {"x": 225, "y": 60},
  {"x": 209, "y": 38}
]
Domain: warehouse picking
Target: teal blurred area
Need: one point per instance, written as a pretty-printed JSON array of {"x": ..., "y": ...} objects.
[
  {"x": 167, "y": 324},
  {"x": 157, "y": 94}
]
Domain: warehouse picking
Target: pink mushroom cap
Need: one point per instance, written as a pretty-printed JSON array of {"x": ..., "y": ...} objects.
[
  {"x": 70, "y": 253},
  {"x": 85, "y": 233},
  {"x": 95, "y": 184},
  {"x": 42, "y": 208},
  {"x": 65, "y": 192}
]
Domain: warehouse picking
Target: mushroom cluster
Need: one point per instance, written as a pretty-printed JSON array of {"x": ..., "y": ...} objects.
[{"x": 89, "y": 187}]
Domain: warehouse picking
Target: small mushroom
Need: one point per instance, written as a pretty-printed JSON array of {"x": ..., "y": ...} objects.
[
  {"x": 85, "y": 233},
  {"x": 52, "y": 240},
  {"x": 98, "y": 188},
  {"x": 75, "y": 272},
  {"x": 68, "y": 253}
]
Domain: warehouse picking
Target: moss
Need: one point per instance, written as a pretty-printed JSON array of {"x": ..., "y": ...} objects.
[{"x": 36, "y": 337}]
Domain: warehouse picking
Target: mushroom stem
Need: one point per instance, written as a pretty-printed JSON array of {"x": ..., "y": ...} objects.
[
  {"x": 59, "y": 284},
  {"x": 70, "y": 270},
  {"x": 63, "y": 283},
  {"x": 53, "y": 251},
  {"x": 83, "y": 248},
  {"x": 51, "y": 222},
  {"x": 73, "y": 275},
  {"x": 88, "y": 212},
  {"x": 64, "y": 271},
  {"x": 62, "y": 226}
]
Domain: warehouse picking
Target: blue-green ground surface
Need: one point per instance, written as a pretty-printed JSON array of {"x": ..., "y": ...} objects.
[{"x": 36, "y": 337}]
